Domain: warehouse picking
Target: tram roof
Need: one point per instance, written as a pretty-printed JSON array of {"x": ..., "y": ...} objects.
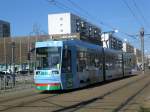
[
  {"x": 61, "y": 43},
  {"x": 114, "y": 51}
]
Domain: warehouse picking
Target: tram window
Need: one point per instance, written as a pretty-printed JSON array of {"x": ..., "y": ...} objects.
[
  {"x": 81, "y": 65},
  {"x": 101, "y": 66},
  {"x": 66, "y": 61},
  {"x": 48, "y": 57},
  {"x": 106, "y": 67},
  {"x": 130, "y": 60},
  {"x": 81, "y": 61},
  {"x": 96, "y": 62}
]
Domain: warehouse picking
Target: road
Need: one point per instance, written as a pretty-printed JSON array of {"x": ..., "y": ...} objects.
[{"x": 124, "y": 95}]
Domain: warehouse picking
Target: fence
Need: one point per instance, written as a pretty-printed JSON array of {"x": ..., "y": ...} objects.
[
  {"x": 9, "y": 83},
  {"x": 6, "y": 81}
]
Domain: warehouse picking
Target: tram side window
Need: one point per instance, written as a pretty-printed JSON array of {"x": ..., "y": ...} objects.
[
  {"x": 94, "y": 60},
  {"x": 81, "y": 61},
  {"x": 118, "y": 59},
  {"x": 66, "y": 61},
  {"x": 109, "y": 64},
  {"x": 98, "y": 61},
  {"x": 106, "y": 62}
]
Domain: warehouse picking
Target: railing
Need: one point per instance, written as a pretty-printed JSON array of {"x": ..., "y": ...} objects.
[
  {"x": 6, "y": 81},
  {"x": 10, "y": 83}
]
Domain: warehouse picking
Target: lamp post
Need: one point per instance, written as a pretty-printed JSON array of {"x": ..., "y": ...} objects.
[
  {"x": 110, "y": 32},
  {"x": 5, "y": 57},
  {"x": 28, "y": 55}
]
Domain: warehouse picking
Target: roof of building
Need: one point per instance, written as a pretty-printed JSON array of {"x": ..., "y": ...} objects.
[{"x": 4, "y": 22}]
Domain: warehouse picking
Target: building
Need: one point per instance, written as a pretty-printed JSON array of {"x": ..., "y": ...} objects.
[
  {"x": 4, "y": 29},
  {"x": 138, "y": 55},
  {"x": 148, "y": 61},
  {"x": 127, "y": 47},
  {"x": 110, "y": 41},
  {"x": 22, "y": 47},
  {"x": 68, "y": 23}
]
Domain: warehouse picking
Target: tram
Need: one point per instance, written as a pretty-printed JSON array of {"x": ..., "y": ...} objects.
[{"x": 70, "y": 64}]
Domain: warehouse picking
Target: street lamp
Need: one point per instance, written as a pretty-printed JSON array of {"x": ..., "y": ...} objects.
[
  {"x": 125, "y": 40},
  {"x": 116, "y": 31},
  {"x": 110, "y": 32}
]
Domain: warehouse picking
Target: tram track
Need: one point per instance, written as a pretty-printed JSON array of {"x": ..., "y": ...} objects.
[
  {"x": 17, "y": 97},
  {"x": 22, "y": 103},
  {"x": 80, "y": 105},
  {"x": 30, "y": 99},
  {"x": 129, "y": 99}
]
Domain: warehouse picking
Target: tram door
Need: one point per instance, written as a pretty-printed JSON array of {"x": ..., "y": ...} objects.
[{"x": 66, "y": 69}]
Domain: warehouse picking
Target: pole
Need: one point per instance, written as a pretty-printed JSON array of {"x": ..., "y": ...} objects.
[
  {"x": 29, "y": 55},
  {"x": 20, "y": 55},
  {"x": 5, "y": 54},
  {"x": 13, "y": 62},
  {"x": 142, "y": 48}
]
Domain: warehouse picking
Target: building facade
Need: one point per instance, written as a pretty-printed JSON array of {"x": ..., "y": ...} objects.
[
  {"x": 138, "y": 54},
  {"x": 127, "y": 47},
  {"x": 110, "y": 41},
  {"x": 4, "y": 29},
  {"x": 68, "y": 23},
  {"x": 16, "y": 51}
]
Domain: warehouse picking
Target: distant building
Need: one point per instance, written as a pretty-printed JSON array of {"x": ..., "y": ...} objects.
[
  {"x": 4, "y": 29},
  {"x": 127, "y": 47},
  {"x": 137, "y": 53},
  {"x": 148, "y": 60},
  {"x": 110, "y": 41},
  {"x": 68, "y": 23},
  {"x": 21, "y": 50}
]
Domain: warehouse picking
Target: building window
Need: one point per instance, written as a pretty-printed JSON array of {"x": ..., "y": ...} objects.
[
  {"x": 61, "y": 30},
  {"x": 61, "y": 18}
]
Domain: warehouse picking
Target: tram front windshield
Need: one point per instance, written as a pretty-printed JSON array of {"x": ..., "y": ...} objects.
[{"x": 48, "y": 58}]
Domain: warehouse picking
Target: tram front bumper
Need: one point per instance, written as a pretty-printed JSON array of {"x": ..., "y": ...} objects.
[{"x": 50, "y": 86}]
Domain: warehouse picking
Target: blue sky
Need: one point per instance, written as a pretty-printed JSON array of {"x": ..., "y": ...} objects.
[{"x": 24, "y": 14}]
